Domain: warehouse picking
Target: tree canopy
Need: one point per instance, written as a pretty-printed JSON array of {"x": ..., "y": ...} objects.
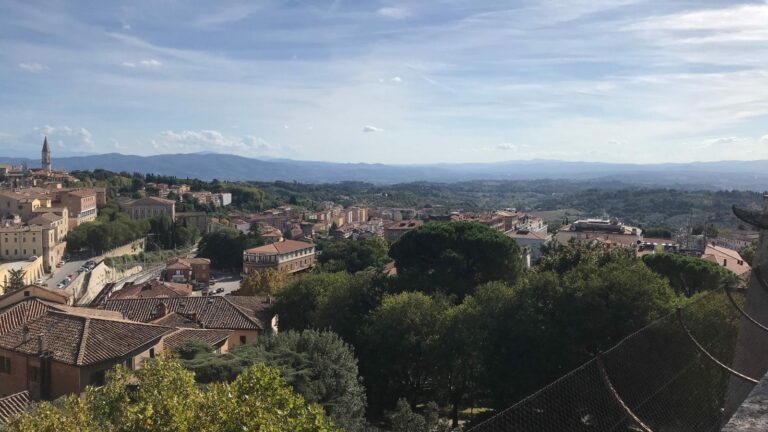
[
  {"x": 317, "y": 364},
  {"x": 225, "y": 247},
  {"x": 166, "y": 399},
  {"x": 455, "y": 257},
  {"x": 354, "y": 255},
  {"x": 689, "y": 275}
]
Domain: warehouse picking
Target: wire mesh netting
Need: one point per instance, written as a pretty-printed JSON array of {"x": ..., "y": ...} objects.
[{"x": 657, "y": 374}]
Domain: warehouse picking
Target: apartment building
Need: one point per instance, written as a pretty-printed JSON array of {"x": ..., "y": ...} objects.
[
  {"x": 148, "y": 207},
  {"x": 288, "y": 255}
]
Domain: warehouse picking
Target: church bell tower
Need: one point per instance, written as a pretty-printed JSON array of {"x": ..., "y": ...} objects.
[{"x": 46, "y": 158}]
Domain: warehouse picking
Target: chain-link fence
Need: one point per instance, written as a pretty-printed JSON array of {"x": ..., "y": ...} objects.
[{"x": 656, "y": 379}]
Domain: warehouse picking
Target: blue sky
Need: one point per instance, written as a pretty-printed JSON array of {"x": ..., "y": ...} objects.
[{"x": 388, "y": 81}]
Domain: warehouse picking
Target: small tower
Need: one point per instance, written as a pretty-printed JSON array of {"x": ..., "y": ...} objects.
[{"x": 46, "y": 156}]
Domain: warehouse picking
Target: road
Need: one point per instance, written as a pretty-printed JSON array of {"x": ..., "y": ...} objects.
[
  {"x": 69, "y": 268},
  {"x": 227, "y": 281}
]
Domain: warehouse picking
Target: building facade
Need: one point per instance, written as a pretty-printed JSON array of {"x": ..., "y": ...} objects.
[{"x": 288, "y": 255}]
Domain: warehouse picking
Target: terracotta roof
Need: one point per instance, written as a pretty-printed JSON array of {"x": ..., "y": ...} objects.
[
  {"x": 82, "y": 193},
  {"x": 183, "y": 336},
  {"x": 150, "y": 201},
  {"x": 527, "y": 235},
  {"x": 152, "y": 289},
  {"x": 12, "y": 405},
  {"x": 728, "y": 258},
  {"x": 214, "y": 312},
  {"x": 178, "y": 320},
  {"x": 285, "y": 246},
  {"x": 186, "y": 263},
  {"x": 253, "y": 306},
  {"x": 404, "y": 225},
  {"x": 18, "y": 314},
  {"x": 81, "y": 340},
  {"x": 44, "y": 219}
]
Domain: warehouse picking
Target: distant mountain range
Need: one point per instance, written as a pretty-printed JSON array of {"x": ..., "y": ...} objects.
[{"x": 751, "y": 175}]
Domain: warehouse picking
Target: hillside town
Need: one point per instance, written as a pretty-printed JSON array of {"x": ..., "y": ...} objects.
[{"x": 67, "y": 317}]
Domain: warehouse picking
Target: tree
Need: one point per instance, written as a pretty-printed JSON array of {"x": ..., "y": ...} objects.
[
  {"x": 689, "y": 275},
  {"x": 336, "y": 301},
  {"x": 317, "y": 364},
  {"x": 225, "y": 247},
  {"x": 399, "y": 355},
  {"x": 454, "y": 258},
  {"x": 354, "y": 255},
  {"x": 166, "y": 399},
  {"x": 267, "y": 282},
  {"x": 404, "y": 419},
  {"x": 15, "y": 280}
]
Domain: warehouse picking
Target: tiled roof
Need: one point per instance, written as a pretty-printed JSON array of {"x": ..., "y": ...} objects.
[
  {"x": 16, "y": 315},
  {"x": 183, "y": 336},
  {"x": 44, "y": 219},
  {"x": 178, "y": 320},
  {"x": 150, "y": 201},
  {"x": 258, "y": 307},
  {"x": 282, "y": 247},
  {"x": 13, "y": 405},
  {"x": 214, "y": 312},
  {"x": 728, "y": 258},
  {"x": 82, "y": 340},
  {"x": 152, "y": 289}
]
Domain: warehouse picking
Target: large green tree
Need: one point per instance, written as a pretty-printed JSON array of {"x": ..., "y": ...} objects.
[
  {"x": 354, "y": 255},
  {"x": 337, "y": 301},
  {"x": 225, "y": 247},
  {"x": 317, "y": 364},
  {"x": 454, "y": 258},
  {"x": 399, "y": 357},
  {"x": 162, "y": 397},
  {"x": 689, "y": 275}
]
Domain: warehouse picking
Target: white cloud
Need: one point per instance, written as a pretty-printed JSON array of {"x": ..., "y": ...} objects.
[
  {"x": 33, "y": 67},
  {"x": 211, "y": 140},
  {"x": 370, "y": 129},
  {"x": 66, "y": 138},
  {"x": 508, "y": 147},
  {"x": 126, "y": 26},
  {"x": 394, "y": 12},
  {"x": 147, "y": 63},
  {"x": 396, "y": 79},
  {"x": 724, "y": 141},
  {"x": 764, "y": 140}
]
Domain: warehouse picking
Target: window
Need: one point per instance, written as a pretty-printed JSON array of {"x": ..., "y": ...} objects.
[
  {"x": 34, "y": 373},
  {"x": 128, "y": 363},
  {"x": 242, "y": 340},
  {"x": 5, "y": 364},
  {"x": 151, "y": 353},
  {"x": 97, "y": 378}
]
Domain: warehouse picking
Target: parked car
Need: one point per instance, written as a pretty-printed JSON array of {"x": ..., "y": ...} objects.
[
  {"x": 32, "y": 258},
  {"x": 61, "y": 284},
  {"x": 59, "y": 264},
  {"x": 219, "y": 290}
]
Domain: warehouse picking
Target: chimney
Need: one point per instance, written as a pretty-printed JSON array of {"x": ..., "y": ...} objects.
[
  {"x": 193, "y": 316},
  {"x": 41, "y": 346},
  {"x": 25, "y": 333},
  {"x": 161, "y": 310}
]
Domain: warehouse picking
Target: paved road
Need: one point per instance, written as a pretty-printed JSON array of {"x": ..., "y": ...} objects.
[
  {"x": 69, "y": 268},
  {"x": 228, "y": 282}
]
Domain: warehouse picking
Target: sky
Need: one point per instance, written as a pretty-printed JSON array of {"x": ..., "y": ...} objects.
[{"x": 388, "y": 81}]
